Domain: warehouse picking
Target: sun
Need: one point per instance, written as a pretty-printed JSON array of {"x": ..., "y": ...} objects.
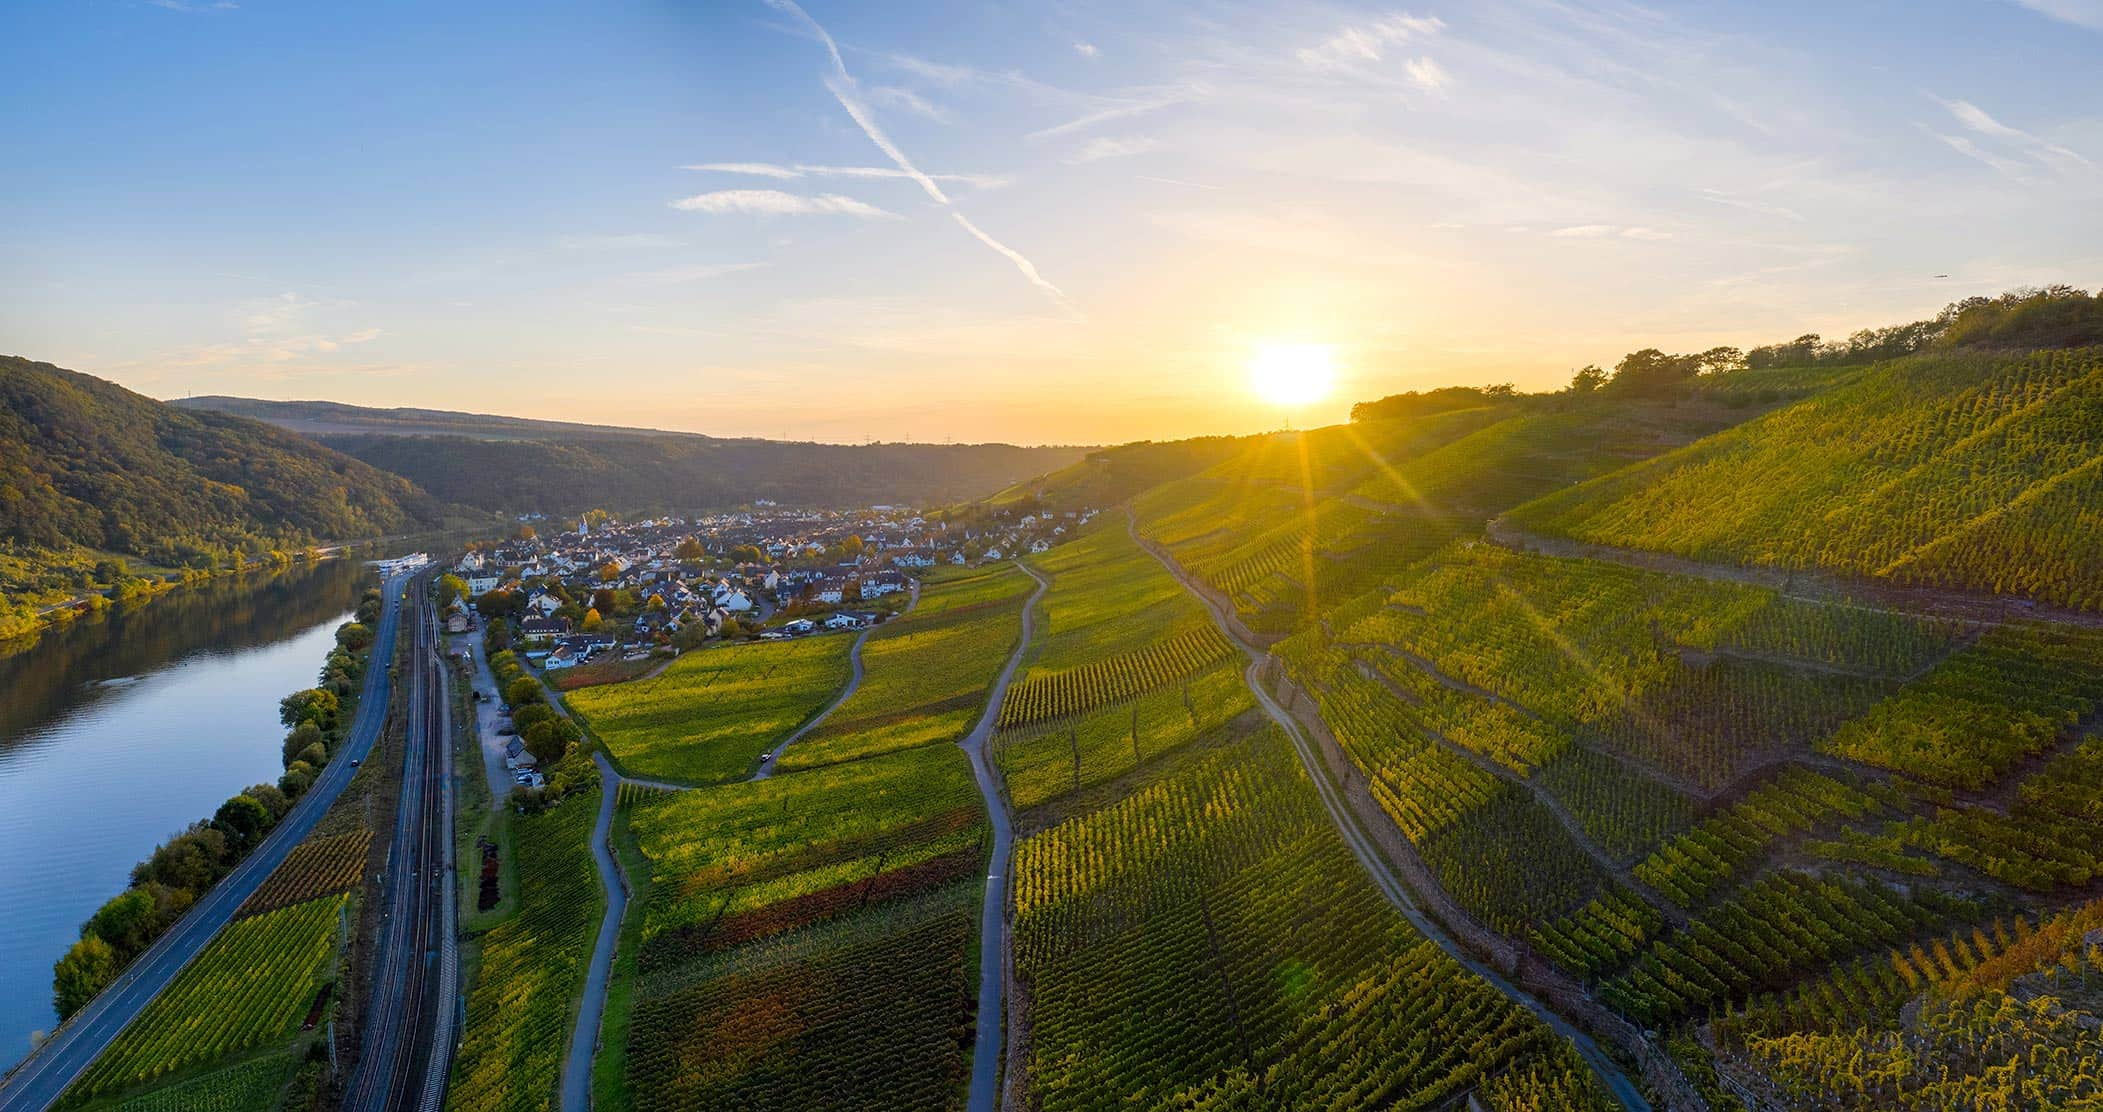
[{"x": 1292, "y": 374}]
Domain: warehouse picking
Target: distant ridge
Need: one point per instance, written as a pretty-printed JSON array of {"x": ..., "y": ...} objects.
[{"x": 515, "y": 464}]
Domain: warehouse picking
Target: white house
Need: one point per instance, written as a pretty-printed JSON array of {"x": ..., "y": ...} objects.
[
  {"x": 883, "y": 583},
  {"x": 831, "y": 591},
  {"x": 482, "y": 584}
]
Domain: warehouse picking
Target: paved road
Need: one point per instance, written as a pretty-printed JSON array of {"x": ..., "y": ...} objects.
[
  {"x": 487, "y": 713},
  {"x": 767, "y": 760},
  {"x": 37, "y": 1082},
  {"x": 584, "y": 1037},
  {"x": 995, "y": 960},
  {"x": 1377, "y": 867},
  {"x": 407, "y": 1026}
]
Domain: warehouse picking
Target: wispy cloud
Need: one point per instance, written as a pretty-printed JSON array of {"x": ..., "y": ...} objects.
[
  {"x": 2006, "y": 167},
  {"x": 1086, "y": 49},
  {"x": 1122, "y": 111},
  {"x": 188, "y": 8},
  {"x": 2044, "y": 151},
  {"x": 1106, "y": 146},
  {"x": 1427, "y": 74},
  {"x": 910, "y": 101},
  {"x": 755, "y": 169},
  {"x": 630, "y": 241},
  {"x": 698, "y": 272},
  {"x": 842, "y": 86},
  {"x": 1719, "y": 197},
  {"x": 1365, "y": 43},
  {"x": 773, "y": 202},
  {"x": 1609, "y": 231},
  {"x": 786, "y": 173},
  {"x": 2080, "y": 13}
]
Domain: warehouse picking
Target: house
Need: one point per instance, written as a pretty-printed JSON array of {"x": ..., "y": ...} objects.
[
  {"x": 515, "y": 755},
  {"x": 850, "y": 619},
  {"x": 1040, "y": 545},
  {"x": 884, "y": 583},
  {"x": 562, "y": 657},
  {"x": 831, "y": 590},
  {"x": 798, "y": 627},
  {"x": 543, "y": 604},
  {"x": 543, "y": 630},
  {"x": 481, "y": 583},
  {"x": 456, "y": 621},
  {"x": 957, "y": 558},
  {"x": 994, "y": 553},
  {"x": 914, "y": 560}
]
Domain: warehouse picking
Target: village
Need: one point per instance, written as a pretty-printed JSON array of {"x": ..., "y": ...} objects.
[{"x": 596, "y": 589}]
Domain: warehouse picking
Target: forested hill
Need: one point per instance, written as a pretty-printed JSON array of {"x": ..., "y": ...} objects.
[
  {"x": 85, "y": 462},
  {"x": 514, "y": 464}
]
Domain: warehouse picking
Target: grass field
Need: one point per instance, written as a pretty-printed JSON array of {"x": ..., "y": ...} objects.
[
  {"x": 709, "y": 716},
  {"x": 925, "y": 674}
]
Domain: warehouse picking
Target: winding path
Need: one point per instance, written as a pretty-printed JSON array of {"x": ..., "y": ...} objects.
[
  {"x": 1370, "y": 858},
  {"x": 591, "y": 1008},
  {"x": 996, "y": 963}
]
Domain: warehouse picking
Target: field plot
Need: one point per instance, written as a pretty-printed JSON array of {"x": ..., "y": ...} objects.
[
  {"x": 924, "y": 674},
  {"x": 248, "y": 1086},
  {"x": 1049, "y": 759},
  {"x": 251, "y": 986},
  {"x": 806, "y": 937},
  {"x": 522, "y": 1002},
  {"x": 1107, "y": 597},
  {"x": 316, "y": 867},
  {"x": 709, "y": 716},
  {"x": 1209, "y": 938}
]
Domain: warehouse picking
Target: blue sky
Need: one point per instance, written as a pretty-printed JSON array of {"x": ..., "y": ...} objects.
[{"x": 1028, "y": 221}]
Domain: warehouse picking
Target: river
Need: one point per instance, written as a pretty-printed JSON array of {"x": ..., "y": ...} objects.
[{"x": 117, "y": 732}]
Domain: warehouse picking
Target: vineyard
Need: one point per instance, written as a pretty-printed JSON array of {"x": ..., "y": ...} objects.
[
  {"x": 1209, "y": 933},
  {"x": 1107, "y": 597},
  {"x": 1078, "y": 690},
  {"x": 1046, "y": 760},
  {"x": 805, "y": 938},
  {"x": 1985, "y": 467},
  {"x": 925, "y": 673},
  {"x": 709, "y": 716},
  {"x": 529, "y": 968},
  {"x": 243, "y": 1087},
  {"x": 316, "y": 867},
  {"x": 252, "y": 985}
]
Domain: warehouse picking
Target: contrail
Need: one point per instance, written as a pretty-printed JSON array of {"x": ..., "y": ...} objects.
[{"x": 843, "y": 89}]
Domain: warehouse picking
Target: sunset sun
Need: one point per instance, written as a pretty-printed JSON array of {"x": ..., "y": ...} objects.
[{"x": 1292, "y": 374}]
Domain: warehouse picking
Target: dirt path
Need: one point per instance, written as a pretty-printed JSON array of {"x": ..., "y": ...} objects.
[
  {"x": 1344, "y": 814},
  {"x": 591, "y": 1006},
  {"x": 996, "y": 963}
]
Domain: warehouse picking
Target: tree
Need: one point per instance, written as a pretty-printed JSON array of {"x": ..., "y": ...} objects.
[
  {"x": 354, "y": 636},
  {"x": 689, "y": 548},
  {"x": 128, "y": 922},
  {"x": 522, "y": 691},
  {"x": 525, "y": 532},
  {"x": 85, "y": 970},
  {"x": 592, "y": 620},
  {"x": 604, "y": 600},
  {"x": 549, "y": 740},
  {"x": 451, "y": 587},
  {"x": 609, "y": 571},
  {"x": 747, "y": 554},
  {"x": 304, "y": 738},
  {"x": 1649, "y": 371},
  {"x": 1587, "y": 379},
  {"x": 531, "y": 715},
  {"x": 242, "y": 818},
  {"x": 312, "y": 705}
]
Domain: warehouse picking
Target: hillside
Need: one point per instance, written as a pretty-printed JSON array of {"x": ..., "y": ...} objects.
[
  {"x": 85, "y": 463},
  {"x": 1979, "y": 471},
  {"x": 511, "y": 464}
]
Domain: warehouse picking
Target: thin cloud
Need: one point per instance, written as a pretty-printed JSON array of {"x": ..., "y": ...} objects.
[
  {"x": 756, "y": 169},
  {"x": 841, "y": 85},
  {"x": 773, "y": 202},
  {"x": 1427, "y": 74},
  {"x": 193, "y": 9},
  {"x": 1365, "y": 43},
  {"x": 910, "y": 101},
  {"x": 1978, "y": 120},
  {"x": 802, "y": 169},
  {"x": 1086, "y": 49},
  {"x": 1609, "y": 231},
  {"x": 2006, "y": 167},
  {"x": 1718, "y": 196},
  {"x": 1104, "y": 147},
  {"x": 1103, "y": 116},
  {"x": 2080, "y": 13},
  {"x": 1180, "y": 182},
  {"x": 699, "y": 272}
]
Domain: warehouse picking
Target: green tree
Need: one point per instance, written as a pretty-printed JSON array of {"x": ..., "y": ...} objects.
[
  {"x": 355, "y": 636},
  {"x": 85, "y": 970},
  {"x": 689, "y": 549},
  {"x": 1587, "y": 379},
  {"x": 312, "y": 705},
  {"x": 522, "y": 691},
  {"x": 451, "y": 587},
  {"x": 243, "y": 818},
  {"x": 128, "y": 922},
  {"x": 303, "y": 737}
]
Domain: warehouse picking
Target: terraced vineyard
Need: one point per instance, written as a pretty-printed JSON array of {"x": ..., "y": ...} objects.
[
  {"x": 251, "y": 986},
  {"x": 925, "y": 673},
  {"x": 709, "y": 716},
  {"x": 1986, "y": 470},
  {"x": 529, "y": 968},
  {"x": 316, "y": 867}
]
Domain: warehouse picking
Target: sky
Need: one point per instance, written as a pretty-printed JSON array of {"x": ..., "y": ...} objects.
[{"x": 1060, "y": 221}]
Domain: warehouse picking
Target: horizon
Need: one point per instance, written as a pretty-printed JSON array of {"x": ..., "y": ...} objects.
[{"x": 826, "y": 223}]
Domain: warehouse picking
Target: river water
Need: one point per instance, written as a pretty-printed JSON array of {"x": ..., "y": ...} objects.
[{"x": 120, "y": 731}]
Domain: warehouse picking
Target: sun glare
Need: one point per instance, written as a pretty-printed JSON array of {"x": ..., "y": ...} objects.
[{"x": 1292, "y": 374}]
